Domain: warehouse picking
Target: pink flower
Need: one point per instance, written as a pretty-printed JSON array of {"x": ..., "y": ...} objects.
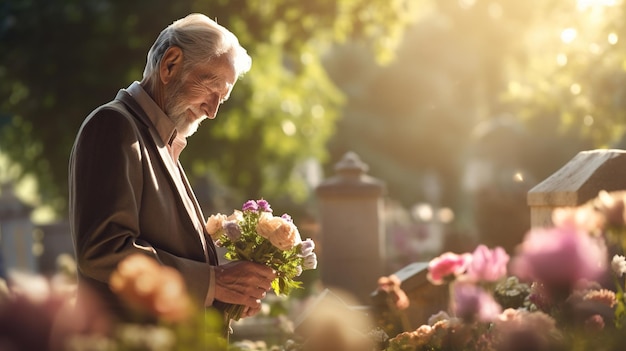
[
  {"x": 286, "y": 236},
  {"x": 470, "y": 303},
  {"x": 520, "y": 329},
  {"x": 594, "y": 323},
  {"x": 264, "y": 205},
  {"x": 268, "y": 224},
  {"x": 487, "y": 265},
  {"x": 250, "y": 205},
  {"x": 559, "y": 258},
  {"x": 448, "y": 265},
  {"x": 585, "y": 218},
  {"x": 144, "y": 284},
  {"x": 280, "y": 232}
]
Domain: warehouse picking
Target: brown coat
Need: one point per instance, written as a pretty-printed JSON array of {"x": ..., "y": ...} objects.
[{"x": 124, "y": 198}]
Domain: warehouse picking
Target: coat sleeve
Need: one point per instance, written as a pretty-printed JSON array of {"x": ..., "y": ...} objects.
[{"x": 106, "y": 186}]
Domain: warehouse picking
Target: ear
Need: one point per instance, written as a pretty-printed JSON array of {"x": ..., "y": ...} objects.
[{"x": 171, "y": 64}]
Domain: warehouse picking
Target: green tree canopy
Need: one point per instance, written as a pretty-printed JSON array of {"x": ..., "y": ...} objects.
[
  {"x": 555, "y": 67},
  {"x": 59, "y": 59}
]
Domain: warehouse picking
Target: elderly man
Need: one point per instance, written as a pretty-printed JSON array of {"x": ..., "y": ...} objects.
[{"x": 128, "y": 191}]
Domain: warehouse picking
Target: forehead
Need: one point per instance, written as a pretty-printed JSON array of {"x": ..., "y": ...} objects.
[{"x": 220, "y": 68}]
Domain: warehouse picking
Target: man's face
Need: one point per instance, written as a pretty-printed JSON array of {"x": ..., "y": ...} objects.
[{"x": 197, "y": 94}]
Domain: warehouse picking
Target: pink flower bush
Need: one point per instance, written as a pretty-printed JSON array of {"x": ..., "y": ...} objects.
[
  {"x": 559, "y": 258},
  {"x": 447, "y": 266},
  {"x": 585, "y": 218},
  {"x": 470, "y": 302},
  {"x": 487, "y": 265},
  {"x": 150, "y": 287},
  {"x": 518, "y": 329}
]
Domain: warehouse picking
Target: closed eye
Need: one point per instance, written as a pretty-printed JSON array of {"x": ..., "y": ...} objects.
[{"x": 213, "y": 85}]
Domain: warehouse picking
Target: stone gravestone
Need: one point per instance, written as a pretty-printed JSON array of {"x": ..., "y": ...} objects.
[
  {"x": 56, "y": 241},
  {"x": 352, "y": 240},
  {"x": 577, "y": 182},
  {"x": 16, "y": 233}
]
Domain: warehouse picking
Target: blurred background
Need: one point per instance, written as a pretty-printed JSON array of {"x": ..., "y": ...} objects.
[{"x": 458, "y": 106}]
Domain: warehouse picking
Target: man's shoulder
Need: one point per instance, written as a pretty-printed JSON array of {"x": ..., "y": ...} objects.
[
  {"x": 112, "y": 111},
  {"x": 114, "y": 106}
]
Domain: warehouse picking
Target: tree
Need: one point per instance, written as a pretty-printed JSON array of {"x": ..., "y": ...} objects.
[
  {"x": 417, "y": 114},
  {"x": 468, "y": 64},
  {"x": 61, "y": 58},
  {"x": 573, "y": 75}
]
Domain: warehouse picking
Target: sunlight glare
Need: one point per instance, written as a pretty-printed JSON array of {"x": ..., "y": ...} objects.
[
  {"x": 561, "y": 59},
  {"x": 445, "y": 215},
  {"x": 575, "y": 89},
  {"x": 317, "y": 111},
  {"x": 594, "y": 48},
  {"x": 423, "y": 212},
  {"x": 613, "y": 38},
  {"x": 289, "y": 128},
  {"x": 515, "y": 88},
  {"x": 568, "y": 35},
  {"x": 585, "y": 4},
  {"x": 588, "y": 120},
  {"x": 466, "y": 4},
  {"x": 495, "y": 10},
  {"x": 291, "y": 107}
]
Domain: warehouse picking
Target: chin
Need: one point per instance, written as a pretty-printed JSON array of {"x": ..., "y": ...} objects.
[{"x": 188, "y": 129}]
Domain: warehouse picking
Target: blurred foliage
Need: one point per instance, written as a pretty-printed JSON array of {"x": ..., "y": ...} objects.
[
  {"x": 59, "y": 59},
  {"x": 485, "y": 80},
  {"x": 524, "y": 85}
]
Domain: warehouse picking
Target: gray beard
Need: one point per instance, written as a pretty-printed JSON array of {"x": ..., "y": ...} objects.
[{"x": 177, "y": 112}]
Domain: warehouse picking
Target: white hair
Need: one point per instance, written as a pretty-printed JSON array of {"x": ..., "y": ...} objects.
[{"x": 201, "y": 39}]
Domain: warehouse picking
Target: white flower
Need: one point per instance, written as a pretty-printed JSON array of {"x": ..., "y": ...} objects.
[
  {"x": 306, "y": 247},
  {"x": 310, "y": 262},
  {"x": 214, "y": 225},
  {"x": 619, "y": 265}
]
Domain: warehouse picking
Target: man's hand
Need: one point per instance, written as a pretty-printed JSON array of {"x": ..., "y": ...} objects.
[{"x": 243, "y": 283}]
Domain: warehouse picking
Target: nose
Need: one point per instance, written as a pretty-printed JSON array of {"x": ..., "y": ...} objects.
[
  {"x": 212, "y": 112},
  {"x": 212, "y": 106}
]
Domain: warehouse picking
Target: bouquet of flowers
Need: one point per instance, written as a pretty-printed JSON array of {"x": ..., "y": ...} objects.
[{"x": 255, "y": 234}]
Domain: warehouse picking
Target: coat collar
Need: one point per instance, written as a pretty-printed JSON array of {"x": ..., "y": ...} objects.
[{"x": 175, "y": 171}]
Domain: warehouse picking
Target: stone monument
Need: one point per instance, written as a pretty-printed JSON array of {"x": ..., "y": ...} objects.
[{"x": 352, "y": 239}]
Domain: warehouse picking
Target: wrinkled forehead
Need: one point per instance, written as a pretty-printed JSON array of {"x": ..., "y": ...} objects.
[{"x": 219, "y": 68}]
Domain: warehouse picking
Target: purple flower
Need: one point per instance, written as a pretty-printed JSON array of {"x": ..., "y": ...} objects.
[
  {"x": 559, "y": 258},
  {"x": 487, "y": 265},
  {"x": 250, "y": 205},
  {"x": 470, "y": 303},
  {"x": 264, "y": 205},
  {"x": 286, "y": 217},
  {"x": 310, "y": 261},
  {"x": 232, "y": 230},
  {"x": 306, "y": 247}
]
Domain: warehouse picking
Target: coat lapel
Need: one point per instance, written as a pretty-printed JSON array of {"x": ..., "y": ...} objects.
[{"x": 175, "y": 173}]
